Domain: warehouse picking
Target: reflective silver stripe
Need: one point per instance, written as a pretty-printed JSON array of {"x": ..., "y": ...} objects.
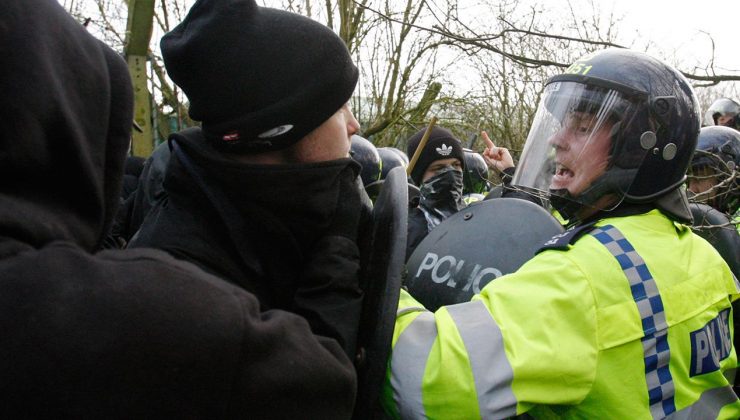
[
  {"x": 485, "y": 347},
  {"x": 408, "y": 362},
  {"x": 404, "y": 311},
  {"x": 708, "y": 405}
]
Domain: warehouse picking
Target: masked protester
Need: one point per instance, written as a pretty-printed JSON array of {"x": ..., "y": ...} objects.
[
  {"x": 439, "y": 175},
  {"x": 129, "y": 333},
  {"x": 626, "y": 315},
  {"x": 264, "y": 193}
]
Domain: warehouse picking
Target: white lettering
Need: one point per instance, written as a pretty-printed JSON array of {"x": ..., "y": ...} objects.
[
  {"x": 726, "y": 336},
  {"x": 471, "y": 277},
  {"x": 429, "y": 261},
  {"x": 447, "y": 258},
  {"x": 452, "y": 282},
  {"x": 702, "y": 346},
  {"x": 711, "y": 337}
]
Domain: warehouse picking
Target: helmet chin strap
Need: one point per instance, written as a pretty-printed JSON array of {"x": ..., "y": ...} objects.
[
  {"x": 615, "y": 180},
  {"x": 674, "y": 203}
]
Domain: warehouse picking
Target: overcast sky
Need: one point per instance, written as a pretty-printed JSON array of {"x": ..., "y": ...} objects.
[{"x": 679, "y": 28}]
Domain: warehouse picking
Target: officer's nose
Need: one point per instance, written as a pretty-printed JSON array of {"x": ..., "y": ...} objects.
[{"x": 559, "y": 140}]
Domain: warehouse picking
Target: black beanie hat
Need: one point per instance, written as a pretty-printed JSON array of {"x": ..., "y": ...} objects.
[
  {"x": 440, "y": 145},
  {"x": 258, "y": 78}
]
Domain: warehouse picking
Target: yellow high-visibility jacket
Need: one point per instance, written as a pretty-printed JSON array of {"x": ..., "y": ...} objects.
[{"x": 631, "y": 320}]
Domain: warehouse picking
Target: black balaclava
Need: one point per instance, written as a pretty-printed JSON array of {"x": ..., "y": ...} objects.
[
  {"x": 287, "y": 208},
  {"x": 441, "y": 196}
]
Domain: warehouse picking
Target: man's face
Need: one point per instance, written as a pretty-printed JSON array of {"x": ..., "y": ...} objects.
[
  {"x": 702, "y": 181},
  {"x": 329, "y": 141},
  {"x": 581, "y": 154},
  {"x": 435, "y": 166},
  {"x": 727, "y": 120}
]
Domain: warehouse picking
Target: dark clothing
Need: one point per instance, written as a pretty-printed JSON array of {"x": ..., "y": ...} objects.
[
  {"x": 118, "y": 236},
  {"x": 137, "y": 334},
  {"x": 417, "y": 227},
  {"x": 132, "y": 171},
  {"x": 144, "y": 196},
  {"x": 265, "y": 231},
  {"x": 150, "y": 190},
  {"x": 119, "y": 334}
]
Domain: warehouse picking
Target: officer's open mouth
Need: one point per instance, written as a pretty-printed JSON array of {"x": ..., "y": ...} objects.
[
  {"x": 562, "y": 178},
  {"x": 562, "y": 171}
]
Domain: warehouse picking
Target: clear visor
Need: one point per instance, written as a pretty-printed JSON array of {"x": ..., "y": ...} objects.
[{"x": 574, "y": 136}]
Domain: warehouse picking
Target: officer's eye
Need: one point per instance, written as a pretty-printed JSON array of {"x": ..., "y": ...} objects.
[{"x": 581, "y": 124}]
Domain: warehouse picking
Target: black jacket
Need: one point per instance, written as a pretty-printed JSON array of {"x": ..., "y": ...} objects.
[
  {"x": 417, "y": 230},
  {"x": 119, "y": 334}
]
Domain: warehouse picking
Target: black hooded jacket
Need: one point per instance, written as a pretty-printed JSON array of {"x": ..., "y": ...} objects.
[
  {"x": 119, "y": 334},
  {"x": 263, "y": 228}
]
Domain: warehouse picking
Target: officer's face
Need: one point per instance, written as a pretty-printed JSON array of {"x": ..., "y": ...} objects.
[
  {"x": 331, "y": 140},
  {"x": 702, "y": 182},
  {"x": 727, "y": 120},
  {"x": 581, "y": 154}
]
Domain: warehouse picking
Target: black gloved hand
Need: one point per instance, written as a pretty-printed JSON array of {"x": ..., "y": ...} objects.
[{"x": 348, "y": 212}]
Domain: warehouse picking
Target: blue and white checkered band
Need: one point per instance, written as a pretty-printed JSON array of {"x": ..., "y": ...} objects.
[{"x": 661, "y": 388}]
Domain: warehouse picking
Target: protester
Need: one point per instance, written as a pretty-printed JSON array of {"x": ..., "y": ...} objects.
[
  {"x": 120, "y": 334},
  {"x": 264, "y": 194},
  {"x": 624, "y": 316},
  {"x": 439, "y": 174}
]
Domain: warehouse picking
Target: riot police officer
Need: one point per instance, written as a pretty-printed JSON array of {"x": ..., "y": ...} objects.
[
  {"x": 723, "y": 111},
  {"x": 624, "y": 316},
  {"x": 390, "y": 158},
  {"x": 714, "y": 169}
]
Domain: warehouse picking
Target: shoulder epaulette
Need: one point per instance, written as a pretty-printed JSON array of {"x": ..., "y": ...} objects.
[{"x": 563, "y": 240}]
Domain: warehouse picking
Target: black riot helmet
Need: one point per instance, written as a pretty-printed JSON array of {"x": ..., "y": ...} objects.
[
  {"x": 723, "y": 111},
  {"x": 367, "y": 156},
  {"x": 715, "y": 169},
  {"x": 617, "y": 126},
  {"x": 402, "y": 154},
  {"x": 390, "y": 157},
  {"x": 475, "y": 175}
]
